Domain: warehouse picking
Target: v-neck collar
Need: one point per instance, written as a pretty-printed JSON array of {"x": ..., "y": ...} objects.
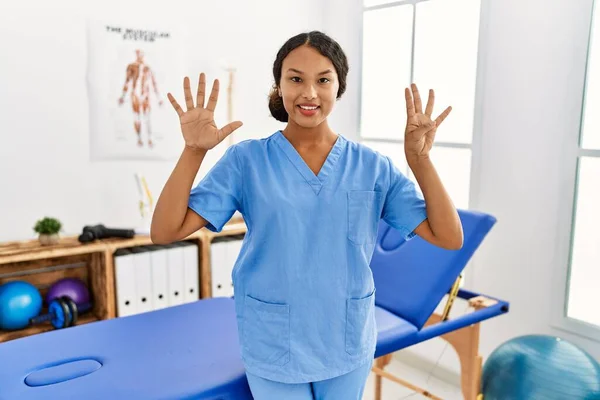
[{"x": 316, "y": 182}]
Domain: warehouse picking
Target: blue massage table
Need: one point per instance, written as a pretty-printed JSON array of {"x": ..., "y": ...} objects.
[
  {"x": 191, "y": 351},
  {"x": 188, "y": 351}
]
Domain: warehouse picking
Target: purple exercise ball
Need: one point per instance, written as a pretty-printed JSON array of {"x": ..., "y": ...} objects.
[{"x": 73, "y": 288}]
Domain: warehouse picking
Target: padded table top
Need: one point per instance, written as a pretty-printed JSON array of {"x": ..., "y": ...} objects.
[
  {"x": 189, "y": 351},
  {"x": 393, "y": 332}
]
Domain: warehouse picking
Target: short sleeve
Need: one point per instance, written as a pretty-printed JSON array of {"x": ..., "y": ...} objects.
[
  {"x": 404, "y": 207},
  {"x": 219, "y": 194}
]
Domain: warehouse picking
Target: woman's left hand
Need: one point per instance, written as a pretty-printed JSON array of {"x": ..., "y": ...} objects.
[{"x": 420, "y": 128}]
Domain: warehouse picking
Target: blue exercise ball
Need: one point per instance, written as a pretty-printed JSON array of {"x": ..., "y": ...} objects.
[
  {"x": 540, "y": 367},
  {"x": 19, "y": 301}
]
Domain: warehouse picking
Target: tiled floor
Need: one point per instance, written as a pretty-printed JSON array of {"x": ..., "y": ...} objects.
[{"x": 394, "y": 391}]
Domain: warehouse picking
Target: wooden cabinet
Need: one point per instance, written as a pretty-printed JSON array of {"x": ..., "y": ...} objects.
[{"x": 93, "y": 263}]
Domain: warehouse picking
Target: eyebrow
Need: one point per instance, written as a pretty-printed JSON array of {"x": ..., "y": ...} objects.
[{"x": 300, "y": 72}]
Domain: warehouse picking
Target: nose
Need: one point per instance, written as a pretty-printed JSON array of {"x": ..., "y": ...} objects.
[{"x": 310, "y": 92}]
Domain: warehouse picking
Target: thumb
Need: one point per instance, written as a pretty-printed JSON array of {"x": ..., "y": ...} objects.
[{"x": 229, "y": 128}]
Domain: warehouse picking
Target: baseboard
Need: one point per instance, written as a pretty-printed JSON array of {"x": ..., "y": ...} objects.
[{"x": 421, "y": 363}]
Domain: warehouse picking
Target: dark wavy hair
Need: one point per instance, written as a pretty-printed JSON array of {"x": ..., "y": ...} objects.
[{"x": 324, "y": 45}]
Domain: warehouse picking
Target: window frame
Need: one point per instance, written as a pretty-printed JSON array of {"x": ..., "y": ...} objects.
[
  {"x": 476, "y": 140},
  {"x": 572, "y": 155}
]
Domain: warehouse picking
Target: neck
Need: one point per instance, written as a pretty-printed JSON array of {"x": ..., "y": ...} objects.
[{"x": 301, "y": 136}]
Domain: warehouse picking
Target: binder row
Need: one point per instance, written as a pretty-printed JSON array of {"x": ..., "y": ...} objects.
[
  {"x": 156, "y": 276},
  {"x": 224, "y": 252}
]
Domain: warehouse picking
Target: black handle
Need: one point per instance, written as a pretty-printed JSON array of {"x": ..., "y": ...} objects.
[{"x": 125, "y": 233}]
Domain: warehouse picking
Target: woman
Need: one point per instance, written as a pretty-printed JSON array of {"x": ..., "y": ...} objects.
[{"x": 311, "y": 200}]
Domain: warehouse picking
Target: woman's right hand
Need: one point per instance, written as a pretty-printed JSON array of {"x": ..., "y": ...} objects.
[{"x": 197, "y": 123}]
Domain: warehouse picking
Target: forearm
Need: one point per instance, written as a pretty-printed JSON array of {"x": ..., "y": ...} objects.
[
  {"x": 441, "y": 213},
  {"x": 172, "y": 203},
  {"x": 125, "y": 86}
]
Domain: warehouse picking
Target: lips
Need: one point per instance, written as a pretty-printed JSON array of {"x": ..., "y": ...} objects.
[{"x": 308, "y": 110}]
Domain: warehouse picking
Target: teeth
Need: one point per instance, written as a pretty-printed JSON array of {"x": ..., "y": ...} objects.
[{"x": 308, "y": 108}]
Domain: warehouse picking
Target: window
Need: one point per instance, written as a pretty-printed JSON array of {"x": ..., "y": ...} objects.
[
  {"x": 418, "y": 41},
  {"x": 583, "y": 297}
]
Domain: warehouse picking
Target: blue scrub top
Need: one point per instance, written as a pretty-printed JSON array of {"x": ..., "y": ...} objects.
[{"x": 304, "y": 292}]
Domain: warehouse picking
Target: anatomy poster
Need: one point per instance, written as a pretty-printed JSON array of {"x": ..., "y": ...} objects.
[{"x": 130, "y": 70}]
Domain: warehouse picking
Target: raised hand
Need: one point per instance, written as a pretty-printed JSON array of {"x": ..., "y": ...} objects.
[
  {"x": 197, "y": 123},
  {"x": 420, "y": 128}
]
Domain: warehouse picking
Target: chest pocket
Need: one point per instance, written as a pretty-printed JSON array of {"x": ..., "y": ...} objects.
[{"x": 364, "y": 211}]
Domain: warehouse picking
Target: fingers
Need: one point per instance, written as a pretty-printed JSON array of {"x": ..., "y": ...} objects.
[
  {"x": 430, "y": 102},
  {"x": 200, "y": 95},
  {"x": 229, "y": 128},
  {"x": 414, "y": 106},
  {"x": 214, "y": 95},
  {"x": 417, "y": 99},
  {"x": 201, "y": 90},
  {"x": 175, "y": 104},
  {"x": 410, "y": 107},
  {"x": 189, "y": 101},
  {"x": 443, "y": 116}
]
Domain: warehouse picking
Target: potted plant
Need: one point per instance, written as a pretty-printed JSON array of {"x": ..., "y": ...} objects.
[{"x": 48, "y": 229}]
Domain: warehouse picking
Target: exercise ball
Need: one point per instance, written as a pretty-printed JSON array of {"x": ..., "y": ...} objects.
[
  {"x": 19, "y": 301},
  {"x": 73, "y": 288},
  {"x": 540, "y": 367}
]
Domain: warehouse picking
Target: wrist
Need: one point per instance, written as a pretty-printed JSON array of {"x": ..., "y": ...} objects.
[
  {"x": 417, "y": 161},
  {"x": 194, "y": 150}
]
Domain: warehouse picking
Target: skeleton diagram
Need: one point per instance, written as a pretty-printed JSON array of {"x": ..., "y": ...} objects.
[{"x": 139, "y": 77}]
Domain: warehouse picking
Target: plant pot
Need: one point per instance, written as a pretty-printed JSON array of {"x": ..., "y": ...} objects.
[{"x": 48, "y": 239}]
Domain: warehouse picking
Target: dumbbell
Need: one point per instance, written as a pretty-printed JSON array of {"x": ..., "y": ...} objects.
[{"x": 62, "y": 313}]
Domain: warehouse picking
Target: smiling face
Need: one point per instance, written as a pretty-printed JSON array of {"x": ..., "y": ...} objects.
[{"x": 309, "y": 86}]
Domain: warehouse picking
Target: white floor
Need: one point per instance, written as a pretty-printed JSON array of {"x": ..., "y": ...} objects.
[{"x": 394, "y": 391}]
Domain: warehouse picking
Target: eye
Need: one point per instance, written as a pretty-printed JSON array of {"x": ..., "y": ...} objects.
[
  {"x": 324, "y": 80},
  {"x": 293, "y": 79}
]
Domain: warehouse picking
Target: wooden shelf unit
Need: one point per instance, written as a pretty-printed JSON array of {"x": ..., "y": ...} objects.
[{"x": 93, "y": 263}]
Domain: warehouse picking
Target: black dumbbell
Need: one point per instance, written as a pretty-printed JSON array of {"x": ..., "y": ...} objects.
[{"x": 62, "y": 313}]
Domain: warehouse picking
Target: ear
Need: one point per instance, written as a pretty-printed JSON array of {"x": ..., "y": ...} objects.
[{"x": 279, "y": 91}]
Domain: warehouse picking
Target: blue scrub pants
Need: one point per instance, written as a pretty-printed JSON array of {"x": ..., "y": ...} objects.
[{"x": 349, "y": 386}]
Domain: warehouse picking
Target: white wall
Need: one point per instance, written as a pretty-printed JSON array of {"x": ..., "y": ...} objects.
[
  {"x": 532, "y": 102},
  {"x": 44, "y": 129},
  {"x": 532, "y": 69}
]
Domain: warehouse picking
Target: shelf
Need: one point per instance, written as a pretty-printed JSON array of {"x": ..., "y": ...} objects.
[
  {"x": 27, "y": 250},
  {"x": 113, "y": 244},
  {"x": 13, "y": 252},
  {"x": 46, "y": 327}
]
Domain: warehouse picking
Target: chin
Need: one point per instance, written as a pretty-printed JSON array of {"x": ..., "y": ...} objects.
[{"x": 309, "y": 122}]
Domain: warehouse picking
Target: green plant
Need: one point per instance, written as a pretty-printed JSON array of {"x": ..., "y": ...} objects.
[{"x": 47, "y": 226}]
